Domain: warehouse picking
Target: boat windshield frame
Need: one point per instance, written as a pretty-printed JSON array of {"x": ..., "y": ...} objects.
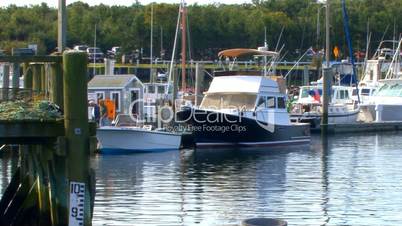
[{"x": 221, "y": 101}]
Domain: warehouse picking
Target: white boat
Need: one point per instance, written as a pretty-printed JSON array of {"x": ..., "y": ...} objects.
[
  {"x": 243, "y": 109},
  {"x": 125, "y": 137},
  {"x": 386, "y": 103},
  {"x": 341, "y": 109},
  {"x": 374, "y": 71}
]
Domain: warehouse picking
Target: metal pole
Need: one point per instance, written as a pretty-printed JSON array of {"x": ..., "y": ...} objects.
[
  {"x": 183, "y": 48},
  {"x": 175, "y": 87},
  {"x": 77, "y": 136},
  {"x": 318, "y": 29},
  {"x": 62, "y": 26}
]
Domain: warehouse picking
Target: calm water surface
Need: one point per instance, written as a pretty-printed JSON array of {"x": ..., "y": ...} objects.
[{"x": 349, "y": 180}]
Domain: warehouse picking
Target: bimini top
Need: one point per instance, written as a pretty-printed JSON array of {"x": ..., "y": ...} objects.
[
  {"x": 245, "y": 52},
  {"x": 242, "y": 84}
]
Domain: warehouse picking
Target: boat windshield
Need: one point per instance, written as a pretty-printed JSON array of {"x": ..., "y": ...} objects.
[
  {"x": 220, "y": 101},
  {"x": 310, "y": 91},
  {"x": 390, "y": 90}
]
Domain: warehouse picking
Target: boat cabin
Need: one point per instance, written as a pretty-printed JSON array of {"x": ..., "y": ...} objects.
[
  {"x": 123, "y": 90},
  {"x": 248, "y": 96},
  {"x": 313, "y": 94}
]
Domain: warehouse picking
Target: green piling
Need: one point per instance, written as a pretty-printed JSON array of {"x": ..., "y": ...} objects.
[{"x": 76, "y": 129}]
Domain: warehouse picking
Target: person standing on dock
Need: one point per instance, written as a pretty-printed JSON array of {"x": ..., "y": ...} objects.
[
  {"x": 104, "y": 119},
  {"x": 96, "y": 113}
]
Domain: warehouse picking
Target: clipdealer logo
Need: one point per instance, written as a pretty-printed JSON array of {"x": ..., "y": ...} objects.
[{"x": 209, "y": 121}]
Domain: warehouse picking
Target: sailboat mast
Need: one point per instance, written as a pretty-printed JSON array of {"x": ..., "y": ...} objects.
[
  {"x": 151, "y": 41},
  {"x": 183, "y": 46}
]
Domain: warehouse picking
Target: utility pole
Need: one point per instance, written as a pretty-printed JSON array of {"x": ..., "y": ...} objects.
[{"x": 62, "y": 26}]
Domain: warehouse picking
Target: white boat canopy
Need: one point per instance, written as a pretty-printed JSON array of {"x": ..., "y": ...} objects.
[{"x": 244, "y": 52}]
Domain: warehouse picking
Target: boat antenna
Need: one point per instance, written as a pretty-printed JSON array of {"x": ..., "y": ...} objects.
[
  {"x": 377, "y": 53},
  {"x": 394, "y": 63},
  {"x": 298, "y": 61},
  {"x": 174, "y": 50},
  {"x": 368, "y": 40},
  {"x": 393, "y": 38}
]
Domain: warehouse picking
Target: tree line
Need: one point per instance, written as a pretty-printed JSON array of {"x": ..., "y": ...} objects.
[{"x": 210, "y": 27}]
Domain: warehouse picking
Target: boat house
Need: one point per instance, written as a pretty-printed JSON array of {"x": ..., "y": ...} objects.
[{"x": 122, "y": 89}]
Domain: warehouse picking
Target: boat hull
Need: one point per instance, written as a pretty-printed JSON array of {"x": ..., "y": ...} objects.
[
  {"x": 389, "y": 113},
  {"x": 315, "y": 119},
  {"x": 130, "y": 140},
  {"x": 220, "y": 129}
]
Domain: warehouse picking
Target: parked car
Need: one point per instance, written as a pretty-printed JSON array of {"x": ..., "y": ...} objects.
[
  {"x": 114, "y": 52},
  {"x": 95, "y": 54},
  {"x": 81, "y": 47}
]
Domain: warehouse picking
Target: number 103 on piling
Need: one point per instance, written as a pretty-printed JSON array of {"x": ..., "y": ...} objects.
[{"x": 77, "y": 201}]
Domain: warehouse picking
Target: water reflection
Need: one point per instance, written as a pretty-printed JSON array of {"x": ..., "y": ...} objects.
[{"x": 345, "y": 180}]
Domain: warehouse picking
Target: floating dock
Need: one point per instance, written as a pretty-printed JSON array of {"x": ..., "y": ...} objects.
[{"x": 362, "y": 127}]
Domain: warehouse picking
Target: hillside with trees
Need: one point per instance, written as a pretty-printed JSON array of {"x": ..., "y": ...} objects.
[{"x": 211, "y": 27}]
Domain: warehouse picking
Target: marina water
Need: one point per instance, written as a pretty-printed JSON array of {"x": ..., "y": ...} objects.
[{"x": 349, "y": 180}]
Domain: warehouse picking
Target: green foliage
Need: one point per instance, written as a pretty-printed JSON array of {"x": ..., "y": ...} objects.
[
  {"x": 23, "y": 110},
  {"x": 212, "y": 27}
]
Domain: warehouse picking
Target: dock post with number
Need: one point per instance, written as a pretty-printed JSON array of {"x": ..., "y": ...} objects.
[{"x": 77, "y": 137}]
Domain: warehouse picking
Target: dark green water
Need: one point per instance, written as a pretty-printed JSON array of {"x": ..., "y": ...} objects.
[{"x": 350, "y": 180}]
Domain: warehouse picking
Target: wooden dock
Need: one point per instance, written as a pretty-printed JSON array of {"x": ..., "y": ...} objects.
[
  {"x": 362, "y": 127},
  {"x": 54, "y": 183}
]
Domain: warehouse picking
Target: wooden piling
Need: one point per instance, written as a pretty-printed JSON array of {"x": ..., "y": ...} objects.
[
  {"x": 305, "y": 76},
  {"x": 27, "y": 76},
  {"x": 77, "y": 135},
  {"x": 56, "y": 81},
  {"x": 43, "y": 79},
  {"x": 16, "y": 76},
  {"x": 199, "y": 81},
  {"x": 326, "y": 96},
  {"x": 6, "y": 80},
  {"x": 36, "y": 77}
]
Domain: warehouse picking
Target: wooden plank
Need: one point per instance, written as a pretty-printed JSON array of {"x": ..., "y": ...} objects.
[
  {"x": 22, "y": 59},
  {"x": 34, "y": 132}
]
